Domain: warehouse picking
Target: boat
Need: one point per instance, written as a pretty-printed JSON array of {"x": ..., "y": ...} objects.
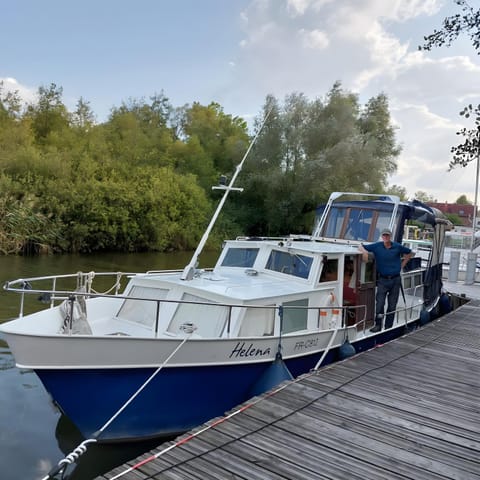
[
  {"x": 458, "y": 241},
  {"x": 161, "y": 352}
]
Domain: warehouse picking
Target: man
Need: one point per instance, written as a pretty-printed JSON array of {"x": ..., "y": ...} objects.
[{"x": 389, "y": 260}]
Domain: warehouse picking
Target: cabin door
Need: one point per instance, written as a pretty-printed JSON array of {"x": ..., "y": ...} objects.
[{"x": 366, "y": 291}]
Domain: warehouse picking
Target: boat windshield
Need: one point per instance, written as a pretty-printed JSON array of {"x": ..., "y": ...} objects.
[
  {"x": 240, "y": 257},
  {"x": 289, "y": 263},
  {"x": 356, "y": 223}
]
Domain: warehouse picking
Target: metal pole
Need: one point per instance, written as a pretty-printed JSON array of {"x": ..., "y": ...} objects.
[
  {"x": 474, "y": 223},
  {"x": 190, "y": 268}
]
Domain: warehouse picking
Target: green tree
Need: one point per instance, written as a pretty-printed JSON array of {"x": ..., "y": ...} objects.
[
  {"x": 463, "y": 200},
  {"x": 317, "y": 147},
  {"x": 454, "y": 218},
  {"x": 424, "y": 197},
  {"x": 48, "y": 116},
  {"x": 397, "y": 190},
  {"x": 222, "y": 138}
]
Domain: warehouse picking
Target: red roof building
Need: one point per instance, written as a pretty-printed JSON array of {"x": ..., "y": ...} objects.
[{"x": 465, "y": 212}]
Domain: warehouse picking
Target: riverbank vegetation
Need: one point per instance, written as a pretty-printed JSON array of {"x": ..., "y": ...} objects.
[{"x": 141, "y": 180}]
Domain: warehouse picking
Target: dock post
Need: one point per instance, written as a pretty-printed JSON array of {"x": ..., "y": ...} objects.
[
  {"x": 471, "y": 267},
  {"x": 454, "y": 265}
]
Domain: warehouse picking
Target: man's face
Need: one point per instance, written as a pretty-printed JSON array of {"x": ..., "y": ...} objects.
[{"x": 386, "y": 237}]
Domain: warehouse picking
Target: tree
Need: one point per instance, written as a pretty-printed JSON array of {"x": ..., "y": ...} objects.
[
  {"x": 453, "y": 26},
  {"x": 454, "y": 218},
  {"x": 424, "y": 197},
  {"x": 397, "y": 190},
  {"x": 308, "y": 149},
  {"x": 83, "y": 116},
  {"x": 49, "y": 115},
  {"x": 10, "y": 103},
  {"x": 463, "y": 200}
]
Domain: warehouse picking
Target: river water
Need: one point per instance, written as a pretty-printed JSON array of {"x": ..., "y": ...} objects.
[{"x": 34, "y": 436}]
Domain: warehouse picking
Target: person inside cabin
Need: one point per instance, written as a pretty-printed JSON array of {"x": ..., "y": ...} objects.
[
  {"x": 329, "y": 270},
  {"x": 390, "y": 258}
]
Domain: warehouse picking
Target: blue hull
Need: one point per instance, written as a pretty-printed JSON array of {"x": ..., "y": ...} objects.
[{"x": 175, "y": 401}]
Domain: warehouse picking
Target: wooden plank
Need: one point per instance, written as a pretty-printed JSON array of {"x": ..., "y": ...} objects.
[{"x": 404, "y": 410}]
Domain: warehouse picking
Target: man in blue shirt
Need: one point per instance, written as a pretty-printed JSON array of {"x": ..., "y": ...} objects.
[{"x": 389, "y": 261}]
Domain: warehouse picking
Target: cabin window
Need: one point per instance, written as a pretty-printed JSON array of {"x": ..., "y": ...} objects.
[
  {"x": 295, "y": 319},
  {"x": 289, "y": 263},
  {"x": 142, "y": 311},
  {"x": 257, "y": 322},
  {"x": 329, "y": 270},
  {"x": 240, "y": 257},
  {"x": 208, "y": 317}
]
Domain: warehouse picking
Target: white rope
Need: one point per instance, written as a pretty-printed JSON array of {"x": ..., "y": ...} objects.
[
  {"x": 327, "y": 349},
  {"x": 73, "y": 456},
  {"x": 152, "y": 376}
]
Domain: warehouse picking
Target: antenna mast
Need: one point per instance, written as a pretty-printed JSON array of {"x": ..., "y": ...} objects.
[{"x": 189, "y": 270}]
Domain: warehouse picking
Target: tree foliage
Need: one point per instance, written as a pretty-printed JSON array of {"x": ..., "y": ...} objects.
[
  {"x": 463, "y": 200},
  {"x": 424, "y": 197},
  {"x": 142, "y": 179},
  {"x": 308, "y": 149}
]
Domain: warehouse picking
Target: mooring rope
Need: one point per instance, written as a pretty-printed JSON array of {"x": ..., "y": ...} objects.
[{"x": 75, "y": 454}]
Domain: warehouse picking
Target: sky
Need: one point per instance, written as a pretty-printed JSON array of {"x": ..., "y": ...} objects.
[{"x": 236, "y": 52}]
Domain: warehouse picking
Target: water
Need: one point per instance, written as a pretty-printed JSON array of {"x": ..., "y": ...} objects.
[{"x": 34, "y": 436}]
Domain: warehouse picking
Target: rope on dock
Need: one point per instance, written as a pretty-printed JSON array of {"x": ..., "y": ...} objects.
[
  {"x": 266, "y": 396},
  {"x": 73, "y": 456}
]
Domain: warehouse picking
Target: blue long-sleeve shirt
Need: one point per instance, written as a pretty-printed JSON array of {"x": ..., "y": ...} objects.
[{"x": 388, "y": 260}]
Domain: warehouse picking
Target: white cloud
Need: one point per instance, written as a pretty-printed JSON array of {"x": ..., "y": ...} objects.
[
  {"x": 297, "y": 7},
  {"x": 315, "y": 39},
  {"x": 27, "y": 94},
  {"x": 371, "y": 46}
]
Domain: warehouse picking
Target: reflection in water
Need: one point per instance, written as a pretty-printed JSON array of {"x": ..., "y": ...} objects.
[{"x": 99, "y": 458}]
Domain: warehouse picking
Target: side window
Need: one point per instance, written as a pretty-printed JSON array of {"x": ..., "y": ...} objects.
[
  {"x": 295, "y": 319},
  {"x": 329, "y": 270}
]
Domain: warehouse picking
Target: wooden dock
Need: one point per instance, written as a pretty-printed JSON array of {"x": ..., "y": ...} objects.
[{"x": 409, "y": 409}]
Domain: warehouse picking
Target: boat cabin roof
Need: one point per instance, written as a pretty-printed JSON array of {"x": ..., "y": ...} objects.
[{"x": 255, "y": 269}]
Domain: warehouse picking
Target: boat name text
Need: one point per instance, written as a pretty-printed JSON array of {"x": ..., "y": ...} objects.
[{"x": 241, "y": 350}]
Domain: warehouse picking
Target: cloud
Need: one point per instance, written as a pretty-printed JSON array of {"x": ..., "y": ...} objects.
[
  {"x": 371, "y": 46},
  {"x": 27, "y": 94}
]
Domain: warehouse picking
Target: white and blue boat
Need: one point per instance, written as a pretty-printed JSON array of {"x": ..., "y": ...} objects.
[{"x": 165, "y": 351}]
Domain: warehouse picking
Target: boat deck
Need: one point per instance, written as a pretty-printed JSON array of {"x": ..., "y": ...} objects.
[{"x": 405, "y": 410}]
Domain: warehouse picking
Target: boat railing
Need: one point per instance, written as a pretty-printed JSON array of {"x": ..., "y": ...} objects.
[
  {"x": 81, "y": 287},
  {"x": 51, "y": 288}
]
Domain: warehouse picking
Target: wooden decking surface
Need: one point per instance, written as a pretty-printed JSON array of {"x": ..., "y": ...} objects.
[{"x": 407, "y": 410}]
